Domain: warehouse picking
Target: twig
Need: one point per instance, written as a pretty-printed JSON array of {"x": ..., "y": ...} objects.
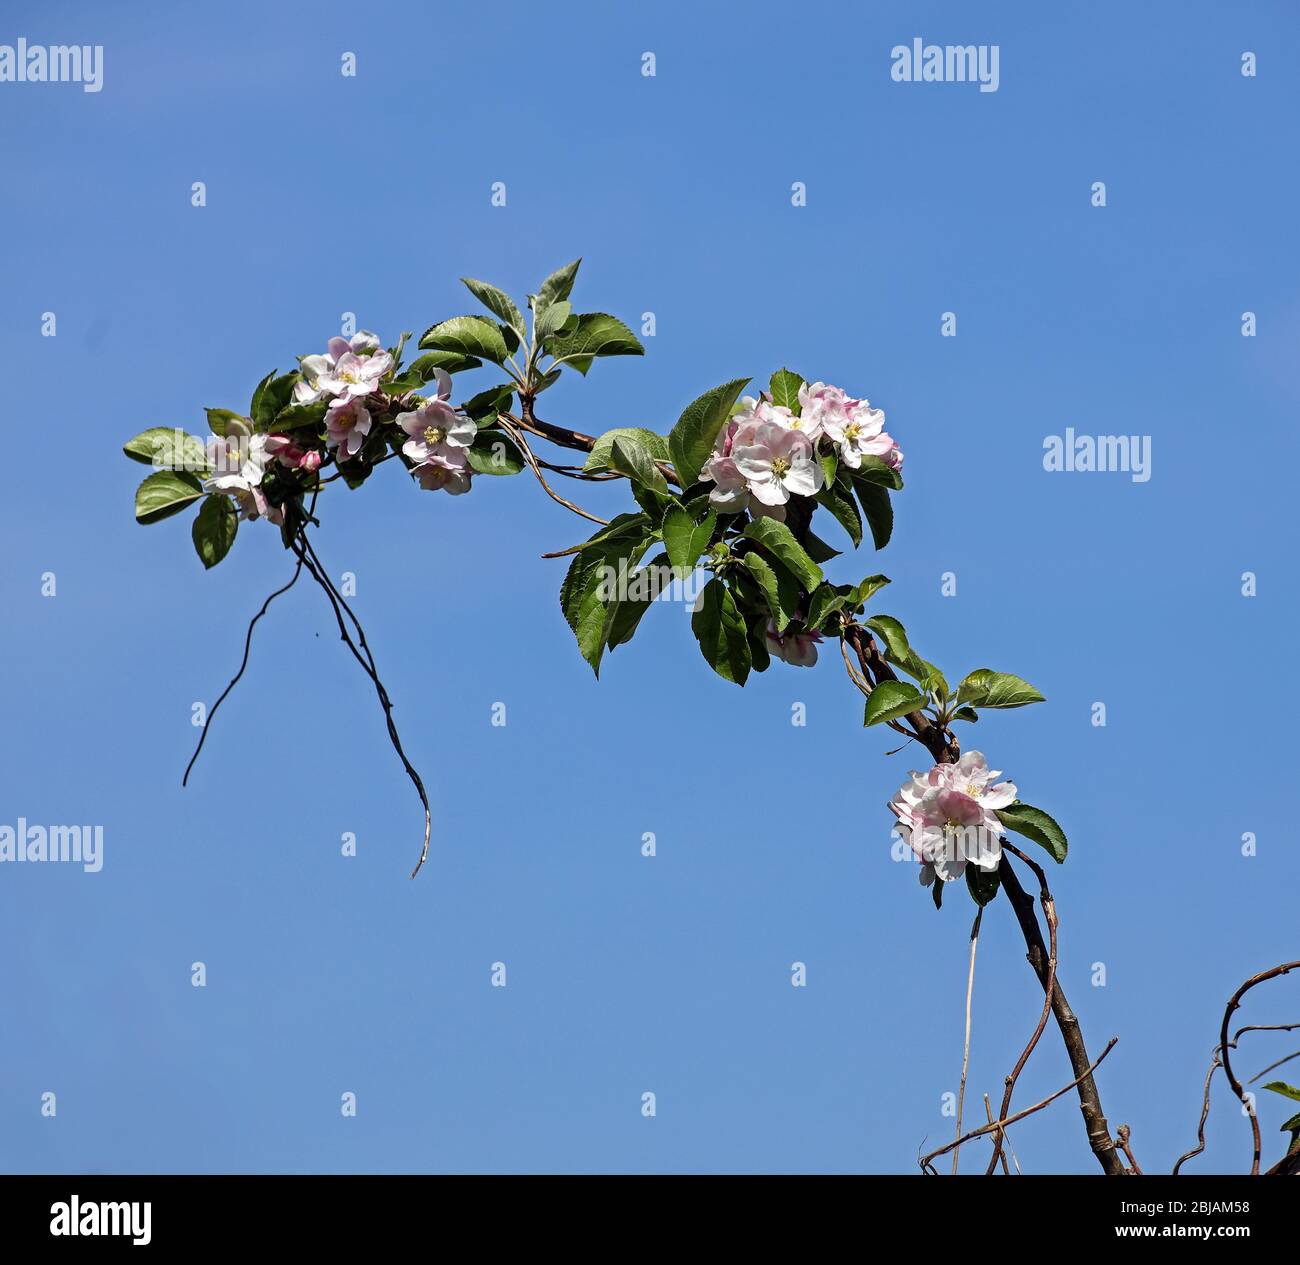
[
  {"x": 1225, "y": 1045},
  {"x": 1272, "y": 1067},
  {"x": 1122, "y": 1135},
  {"x": 1049, "y": 992},
  {"x": 965, "y": 1053},
  {"x": 511, "y": 427},
  {"x": 999, "y": 1136},
  {"x": 1028, "y": 1111},
  {"x": 307, "y": 554},
  {"x": 243, "y": 664},
  {"x": 1215, "y": 1062}
]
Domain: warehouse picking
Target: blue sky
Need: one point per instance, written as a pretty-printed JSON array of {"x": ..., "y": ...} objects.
[{"x": 629, "y": 975}]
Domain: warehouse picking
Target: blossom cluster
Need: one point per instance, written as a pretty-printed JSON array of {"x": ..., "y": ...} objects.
[
  {"x": 949, "y": 816},
  {"x": 350, "y": 378},
  {"x": 768, "y": 452}
]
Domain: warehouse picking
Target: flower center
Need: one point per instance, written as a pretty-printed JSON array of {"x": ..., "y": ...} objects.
[
  {"x": 780, "y": 467},
  {"x": 852, "y": 430},
  {"x": 434, "y": 435},
  {"x": 348, "y": 376}
]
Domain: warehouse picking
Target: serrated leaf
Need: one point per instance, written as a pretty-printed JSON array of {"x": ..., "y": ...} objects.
[
  {"x": 780, "y": 541},
  {"x": 878, "y": 511},
  {"x": 167, "y": 448},
  {"x": 966, "y": 713},
  {"x": 596, "y": 334},
  {"x": 867, "y": 588},
  {"x": 213, "y": 530},
  {"x": 1281, "y": 1087},
  {"x": 298, "y": 416},
  {"x": 685, "y": 539},
  {"x": 839, "y": 501},
  {"x": 878, "y": 473},
  {"x": 890, "y": 700},
  {"x": 494, "y": 452},
  {"x": 630, "y": 457},
  {"x": 784, "y": 389},
  {"x": 690, "y": 442},
  {"x": 220, "y": 420},
  {"x": 986, "y": 688},
  {"x": 823, "y": 602},
  {"x": 598, "y": 459},
  {"x": 467, "y": 336},
  {"x": 1036, "y": 826},
  {"x": 164, "y": 493},
  {"x": 723, "y": 637},
  {"x": 498, "y": 302},
  {"x": 271, "y": 396},
  {"x": 556, "y": 287},
  {"x": 780, "y": 589},
  {"x": 423, "y": 367}
]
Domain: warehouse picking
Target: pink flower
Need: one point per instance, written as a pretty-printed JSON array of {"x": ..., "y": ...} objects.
[
  {"x": 290, "y": 455},
  {"x": 446, "y": 470},
  {"x": 347, "y": 424},
  {"x": 238, "y": 463},
  {"x": 776, "y": 463},
  {"x": 316, "y": 369},
  {"x": 852, "y": 425},
  {"x": 949, "y": 816},
  {"x": 799, "y": 649},
  {"x": 435, "y": 427}
]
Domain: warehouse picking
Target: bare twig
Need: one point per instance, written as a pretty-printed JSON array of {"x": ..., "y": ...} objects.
[
  {"x": 361, "y": 652},
  {"x": 1272, "y": 1067},
  {"x": 513, "y": 429},
  {"x": 1122, "y": 1135},
  {"x": 1225, "y": 1045},
  {"x": 1215, "y": 1062},
  {"x": 243, "y": 664},
  {"x": 965, "y": 1053},
  {"x": 1049, "y": 992},
  {"x": 1000, "y": 1137},
  {"x": 1020, "y": 1115}
]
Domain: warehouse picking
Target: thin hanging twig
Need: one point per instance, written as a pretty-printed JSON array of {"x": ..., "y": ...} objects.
[
  {"x": 234, "y": 680},
  {"x": 965, "y": 1053}
]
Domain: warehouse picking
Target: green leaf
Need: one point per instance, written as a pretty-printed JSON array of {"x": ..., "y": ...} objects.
[
  {"x": 557, "y": 287},
  {"x": 629, "y": 456},
  {"x": 982, "y": 884},
  {"x": 723, "y": 637},
  {"x": 467, "y": 336},
  {"x": 552, "y": 320},
  {"x": 780, "y": 541},
  {"x": 221, "y": 419},
  {"x": 685, "y": 539},
  {"x": 1292, "y": 1125},
  {"x": 779, "y": 587},
  {"x": 298, "y": 416},
  {"x": 623, "y": 525},
  {"x": 986, "y": 688},
  {"x": 271, "y": 396},
  {"x": 966, "y": 713},
  {"x": 839, "y": 501},
  {"x": 487, "y": 404},
  {"x": 894, "y": 635},
  {"x": 167, "y": 447},
  {"x": 1287, "y": 1091},
  {"x": 213, "y": 531},
  {"x": 823, "y": 602},
  {"x": 784, "y": 389},
  {"x": 423, "y": 367},
  {"x": 598, "y": 458},
  {"x": 818, "y": 550},
  {"x": 587, "y": 598},
  {"x": 499, "y": 303},
  {"x": 879, "y": 513},
  {"x": 1036, "y": 826},
  {"x": 690, "y": 442},
  {"x": 876, "y": 473},
  {"x": 595, "y": 334},
  {"x": 892, "y": 699},
  {"x": 867, "y": 589},
  {"x": 494, "y": 452},
  {"x": 625, "y": 616},
  {"x": 164, "y": 493}
]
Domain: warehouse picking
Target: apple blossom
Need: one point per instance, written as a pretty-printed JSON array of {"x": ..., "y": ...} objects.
[
  {"x": 949, "y": 816},
  {"x": 347, "y": 424},
  {"x": 776, "y": 463},
  {"x": 291, "y": 455},
  {"x": 798, "y": 649},
  {"x": 316, "y": 368},
  {"x": 435, "y": 427},
  {"x": 446, "y": 470}
]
